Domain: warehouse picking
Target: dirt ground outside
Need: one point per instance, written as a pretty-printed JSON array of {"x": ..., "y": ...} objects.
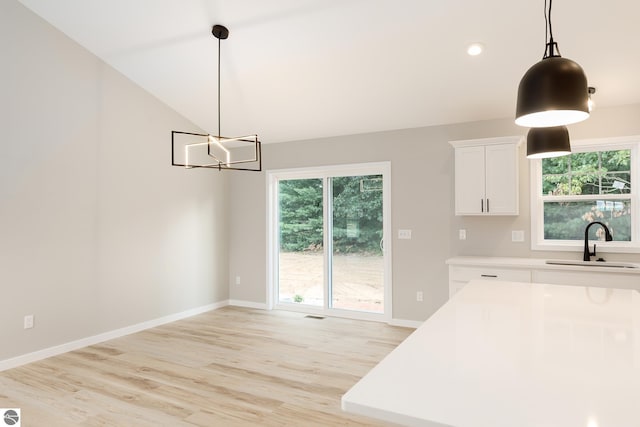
[{"x": 358, "y": 280}]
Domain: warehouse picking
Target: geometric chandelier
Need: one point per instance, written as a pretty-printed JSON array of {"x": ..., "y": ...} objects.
[{"x": 195, "y": 150}]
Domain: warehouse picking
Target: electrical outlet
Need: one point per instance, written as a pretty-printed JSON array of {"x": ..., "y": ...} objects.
[
  {"x": 517, "y": 236},
  {"x": 237, "y": 280},
  {"x": 419, "y": 296},
  {"x": 28, "y": 321},
  {"x": 462, "y": 234},
  {"x": 404, "y": 234}
]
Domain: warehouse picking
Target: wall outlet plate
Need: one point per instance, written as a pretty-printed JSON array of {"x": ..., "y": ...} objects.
[
  {"x": 28, "y": 321},
  {"x": 462, "y": 234}
]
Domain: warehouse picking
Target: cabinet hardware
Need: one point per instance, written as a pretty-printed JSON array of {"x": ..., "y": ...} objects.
[
  {"x": 481, "y": 205},
  {"x": 494, "y": 276},
  {"x": 487, "y": 205}
]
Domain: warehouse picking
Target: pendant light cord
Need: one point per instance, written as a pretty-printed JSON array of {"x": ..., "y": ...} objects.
[
  {"x": 219, "y": 134},
  {"x": 546, "y": 30},
  {"x": 551, "y": 47},
  {"x": 550, "y": 26}
]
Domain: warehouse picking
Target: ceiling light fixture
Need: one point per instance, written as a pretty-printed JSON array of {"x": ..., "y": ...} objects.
[
  {"x": 548, "y": 142},
  {"x": 553, "y": 92},
  {"x": 196, "y": 150},
  {"x": 475, "y": 49},
  {"x": 591, "y": 102}
]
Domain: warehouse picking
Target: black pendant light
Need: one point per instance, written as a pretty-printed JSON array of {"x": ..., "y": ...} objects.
[
  {"x": 202, "y": 150},
  {"x": 548, "y": 142},
  {"x": 552, "y": 92}
]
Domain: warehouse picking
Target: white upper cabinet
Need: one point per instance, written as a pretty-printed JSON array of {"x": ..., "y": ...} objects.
[{"x": 486, "y": 176}]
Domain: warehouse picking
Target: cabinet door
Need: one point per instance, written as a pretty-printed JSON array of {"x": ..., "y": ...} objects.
[
  {"x": 501, "y": 162},
  {"x": 469, "y": 177}
]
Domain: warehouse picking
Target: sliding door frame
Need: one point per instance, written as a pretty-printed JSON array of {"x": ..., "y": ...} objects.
[{"x": 273, "y": 236}]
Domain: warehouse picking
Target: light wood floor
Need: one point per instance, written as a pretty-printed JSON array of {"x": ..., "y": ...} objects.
[{"x": 232, "y": 366}]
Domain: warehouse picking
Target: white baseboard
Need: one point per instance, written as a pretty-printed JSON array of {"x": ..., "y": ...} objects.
[
  {"x": 95, "y": 339},
  {"x": 248, "y": 304},
  {"x": 405, "y": 323}
]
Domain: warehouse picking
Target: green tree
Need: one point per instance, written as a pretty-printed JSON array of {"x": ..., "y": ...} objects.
[
  {"x": 300, "y": 214},
  {"x": 357, "y": 214},
  {"x": 604, "y": 172}
]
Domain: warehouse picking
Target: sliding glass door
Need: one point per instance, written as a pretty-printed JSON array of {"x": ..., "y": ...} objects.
[
  {"x": 357, "y": 258},
  {"x": 327, "y": 240}
]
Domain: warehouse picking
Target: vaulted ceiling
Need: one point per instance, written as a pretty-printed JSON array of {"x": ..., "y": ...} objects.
[{"x": 301, "y": 69}]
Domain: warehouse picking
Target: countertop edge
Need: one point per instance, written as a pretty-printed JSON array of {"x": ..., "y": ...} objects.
[{"x": 531, "y": 263}]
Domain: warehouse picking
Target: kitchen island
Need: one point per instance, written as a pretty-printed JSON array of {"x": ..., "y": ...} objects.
[{"x": 514, "y": 354}]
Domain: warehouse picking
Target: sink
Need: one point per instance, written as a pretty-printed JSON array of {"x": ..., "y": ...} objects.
[{"x": 613, "y": 264}]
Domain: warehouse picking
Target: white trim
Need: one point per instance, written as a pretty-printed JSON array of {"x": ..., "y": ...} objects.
[
  {"x": 332, "y": 312},
  {"x": 487, "y": 141},
  {"x": 106, "y": 336},
  {"x": 324, "y": 172},
  {"x": 538, "y": 243},
  {"x": 387, "y": 242},
  {"x": 249, "y": 304},
  {"x": 352, "y": 169},
  {"x": 272, "y": 243},
  {"x": 405, "y": 323},
  {"x": 616, "y": 143}
]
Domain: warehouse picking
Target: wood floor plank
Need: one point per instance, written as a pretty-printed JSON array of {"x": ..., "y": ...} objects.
[{"x": 229, "y": 367}]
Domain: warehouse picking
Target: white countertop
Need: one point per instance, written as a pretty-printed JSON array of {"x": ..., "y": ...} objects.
[
  {"x": 514, "y": 355},
  {"x": 536, "y": 263}
]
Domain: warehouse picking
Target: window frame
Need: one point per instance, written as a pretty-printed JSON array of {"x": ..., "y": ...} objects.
[
  {"x": 274, "y": 176},
  {"x": 539, "y": 243}
]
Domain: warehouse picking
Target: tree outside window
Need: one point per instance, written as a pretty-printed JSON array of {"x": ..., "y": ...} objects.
[
  {"x": 594, "y": 183},
  {"x": 585, "y": 187}
]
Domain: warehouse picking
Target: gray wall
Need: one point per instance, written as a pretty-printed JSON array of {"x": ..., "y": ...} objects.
[
  {"x": 422, "y": 200},
  {"x": 97, "y": 230}
]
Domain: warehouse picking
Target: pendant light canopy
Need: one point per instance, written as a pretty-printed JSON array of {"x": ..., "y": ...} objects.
[
  {"x": 197, "y": 150},
  {"x": 548, "y": 142},
  {"x": 553, "y": 92}
]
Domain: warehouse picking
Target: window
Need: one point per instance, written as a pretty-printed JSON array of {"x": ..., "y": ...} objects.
[
  {"x": 327, "y": 232},
  {"x": 597, "y": 182}
]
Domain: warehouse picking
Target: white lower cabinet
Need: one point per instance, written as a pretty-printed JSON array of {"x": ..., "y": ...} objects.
[
  {"x": 460, "y": 276},
  {"x": 464, "y": 269}
]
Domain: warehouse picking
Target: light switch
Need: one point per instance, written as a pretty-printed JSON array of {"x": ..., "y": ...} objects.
[{"x": 517, "y": 236}]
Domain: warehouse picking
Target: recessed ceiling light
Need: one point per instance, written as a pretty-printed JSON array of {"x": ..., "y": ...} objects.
[{"x": 475, "y": 49}]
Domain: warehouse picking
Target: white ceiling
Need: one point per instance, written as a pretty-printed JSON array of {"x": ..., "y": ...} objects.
[{"x": 301, "y": 69}]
